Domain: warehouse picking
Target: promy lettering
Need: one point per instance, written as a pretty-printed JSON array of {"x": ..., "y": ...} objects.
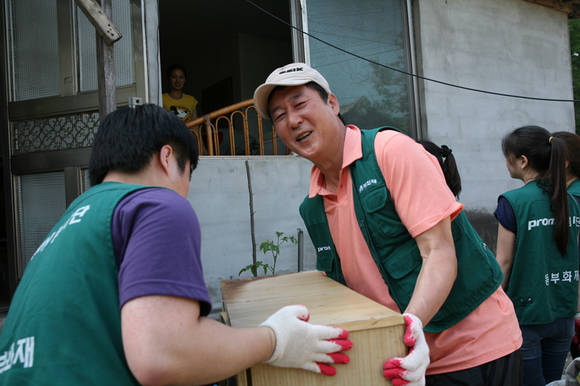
[
  {"x": 75, "y": 218},
  {"x": 573, "y": 220},
  {"x": 20, "y": 353},
  {"x": 540, "y": 222}
]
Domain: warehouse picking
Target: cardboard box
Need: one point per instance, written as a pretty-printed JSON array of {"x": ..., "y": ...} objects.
[{"x": 376, "y": 331}]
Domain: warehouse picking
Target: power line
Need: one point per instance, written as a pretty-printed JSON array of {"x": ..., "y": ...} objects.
[{"x": 406, "y": 72}]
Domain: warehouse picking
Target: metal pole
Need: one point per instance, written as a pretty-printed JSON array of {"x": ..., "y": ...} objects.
[{"x": 300, "y": 250}]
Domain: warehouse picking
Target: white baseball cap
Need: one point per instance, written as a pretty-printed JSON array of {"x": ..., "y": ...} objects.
[{"x": 293, "y": 74}]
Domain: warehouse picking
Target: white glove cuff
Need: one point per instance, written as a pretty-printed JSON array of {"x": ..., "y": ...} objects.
[{"x": 278, "y": 350}]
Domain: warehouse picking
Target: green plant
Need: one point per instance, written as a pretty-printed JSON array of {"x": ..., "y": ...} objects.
[{"x": 274, "y": 248}]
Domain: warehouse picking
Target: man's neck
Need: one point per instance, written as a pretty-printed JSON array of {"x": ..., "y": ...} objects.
[
  {"x": 139, "y": 178},
  {"x": 331, "y": 166}
]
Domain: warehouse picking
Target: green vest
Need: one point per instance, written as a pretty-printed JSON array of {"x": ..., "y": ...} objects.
[
  {"x": 543, "y": 284},
  {"x": 394, "y": 250},
  {"x": 574, "y": 188},
  {"x": 64, "y": 323}
]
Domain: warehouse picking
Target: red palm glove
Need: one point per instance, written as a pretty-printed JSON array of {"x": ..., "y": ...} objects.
[
  {"x": 303, "y": 345},
  {"x": 410, "y": 369}
]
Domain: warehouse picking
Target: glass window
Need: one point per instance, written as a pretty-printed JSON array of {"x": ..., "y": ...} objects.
[
  {"x": 35, "y": 49},
  {"x": 42, "y": 204},
  {"x": 369, "y": 95},
  {"x": 123, "y": 51}
]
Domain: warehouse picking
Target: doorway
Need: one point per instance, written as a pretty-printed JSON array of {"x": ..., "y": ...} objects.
[{"x": 227, "y": 47}]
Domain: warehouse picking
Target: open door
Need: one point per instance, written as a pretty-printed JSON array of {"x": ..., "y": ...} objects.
[
  {"x": 50, "y": 96},
  {"x": 228, "y": 48}
]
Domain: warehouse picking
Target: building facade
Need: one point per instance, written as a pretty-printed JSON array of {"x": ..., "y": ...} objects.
[{"x": 439, "y": 70}]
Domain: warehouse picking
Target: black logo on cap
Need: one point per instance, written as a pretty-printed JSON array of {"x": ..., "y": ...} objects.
[{"x": 291, "y": 70}]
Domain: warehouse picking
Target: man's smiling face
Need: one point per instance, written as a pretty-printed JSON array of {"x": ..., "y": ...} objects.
[{"x": 303, "y": 120}]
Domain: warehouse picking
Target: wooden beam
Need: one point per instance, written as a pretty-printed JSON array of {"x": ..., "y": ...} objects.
[
  {"x": 106, "y": 68},
  {"x": 564, "y": 6},
  {"x": 100, "y": 19}
]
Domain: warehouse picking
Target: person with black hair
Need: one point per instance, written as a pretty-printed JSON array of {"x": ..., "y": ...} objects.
[
  {"x": 384, "y": 222},
  {"x": 572, "y": 142},
  {"x": 183, "y": 105},
  {"x": 115, "y": 295},
  {"x": 448, "y": 165},
  {"x": 537, "y": 248}
]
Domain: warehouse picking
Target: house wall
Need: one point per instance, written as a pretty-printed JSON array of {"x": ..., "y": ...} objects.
[
  {"x": 507, "y": 46},
  {"x": 219, "y": 194}
]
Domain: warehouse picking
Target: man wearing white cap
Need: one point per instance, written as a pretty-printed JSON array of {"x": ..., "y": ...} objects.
[{"x": 383, "y": 222}]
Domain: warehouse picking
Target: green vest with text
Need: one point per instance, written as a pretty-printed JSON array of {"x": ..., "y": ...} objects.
[
  {"x": 394, "y": 250},
  {"x": 64, "y": 323},
  {"x": 543, "y": 284}
]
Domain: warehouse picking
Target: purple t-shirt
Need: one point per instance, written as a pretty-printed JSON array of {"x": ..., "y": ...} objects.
[{"x": 157, "y": 242}]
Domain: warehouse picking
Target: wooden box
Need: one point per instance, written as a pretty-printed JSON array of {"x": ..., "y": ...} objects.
[{"x": 376, "y": 331}]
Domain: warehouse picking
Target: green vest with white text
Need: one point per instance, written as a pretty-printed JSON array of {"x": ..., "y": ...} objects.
[
  {"x": 543, "y": 284},
  {"x": 395, "y": 251},
  {"x": 64, "y": 323}
]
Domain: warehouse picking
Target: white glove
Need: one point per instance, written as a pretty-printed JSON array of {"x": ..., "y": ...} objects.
[
  {"x": 410, "y": 369},
  {"x": 303, "y": 345}
]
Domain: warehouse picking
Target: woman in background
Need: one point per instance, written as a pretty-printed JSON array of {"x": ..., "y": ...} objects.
[
  {"x": 572, "y": 174},
  {"x": 537, "y": 248},
  {"x": 181, "y": 104}
]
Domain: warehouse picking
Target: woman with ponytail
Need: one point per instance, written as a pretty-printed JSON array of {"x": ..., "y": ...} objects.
[
  {"x": 572, "y": 176},
  {"x": 537, "y": 248},
  {"x": 448, "y": 165}
]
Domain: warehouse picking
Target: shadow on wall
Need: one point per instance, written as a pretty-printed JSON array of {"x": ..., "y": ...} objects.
[{"x": 486, "y": 226}]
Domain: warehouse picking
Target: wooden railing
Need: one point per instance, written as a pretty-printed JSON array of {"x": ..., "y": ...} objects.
[{"x": 220, "y": 128}]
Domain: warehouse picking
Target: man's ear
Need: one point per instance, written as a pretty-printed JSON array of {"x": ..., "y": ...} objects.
[
  {"x": 523, "y": 161},
  {"x": 164, "y": 157},
  {"x": 333, "y": 102}
]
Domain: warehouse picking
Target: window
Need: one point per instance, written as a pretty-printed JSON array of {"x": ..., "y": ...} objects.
[{"x": 369, "y": 95}]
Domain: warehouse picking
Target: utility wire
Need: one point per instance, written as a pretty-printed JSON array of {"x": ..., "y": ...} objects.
[{"x": 406, "y": 72}]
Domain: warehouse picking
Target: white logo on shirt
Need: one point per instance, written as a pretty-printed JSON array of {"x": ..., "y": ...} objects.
[
  {"x": 573, "y": 220},
  {"x": 22, "y": 354},
  {"x": 75, "y": 218},
  {"x": 372, "y": 181}
]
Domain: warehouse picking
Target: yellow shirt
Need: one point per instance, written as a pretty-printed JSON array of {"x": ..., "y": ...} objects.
[{"x": 184, "y": 108}]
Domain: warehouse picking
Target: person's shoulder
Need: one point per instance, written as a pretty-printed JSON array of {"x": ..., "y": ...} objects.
[
  {"x": 395, "y": 145},
  {"x": 158, "y": 198},
  {"x": 189, "y": 98},
  {"x": 389, "y": 134},
  {"x": 525, "y": 192}
]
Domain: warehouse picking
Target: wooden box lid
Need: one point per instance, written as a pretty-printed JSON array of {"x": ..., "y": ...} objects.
[{"x": 248, "y": 302}]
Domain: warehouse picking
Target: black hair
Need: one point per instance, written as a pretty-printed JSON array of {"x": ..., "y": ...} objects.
[
  {"x": 323, "y": 94},
  {"x": 572, "y": 142},
  {"x": 312, "y": 85},
  {"x": 128, "y": 137},
  {"x": 176, "y": 66},
  {"x": 447, "y": 162},
  {"x": 547, "y": 156}
]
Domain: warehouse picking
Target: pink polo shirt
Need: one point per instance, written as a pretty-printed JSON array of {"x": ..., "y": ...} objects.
[{"x": 422, "y": 199}]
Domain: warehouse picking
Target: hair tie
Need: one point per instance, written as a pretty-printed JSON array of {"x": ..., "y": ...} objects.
[
  {"x": 445, "y": 151},
  {"x": 550, "y": 139}
]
